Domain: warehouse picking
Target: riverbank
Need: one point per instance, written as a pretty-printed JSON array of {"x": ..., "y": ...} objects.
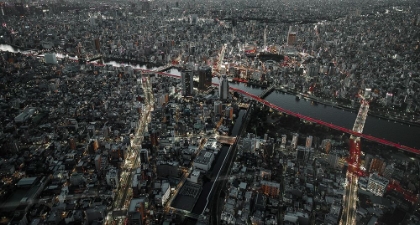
[
  {"x": 372, "y": 112},
  {"x": 354, "y": 109}
]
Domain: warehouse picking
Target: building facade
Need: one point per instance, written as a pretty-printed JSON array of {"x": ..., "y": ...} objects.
[
  {"x": 187, "y": 83},
  {"x": 204, "y": 78},
  {"x": 223, "y": 88},
  {"x": 377, "y": 184}
]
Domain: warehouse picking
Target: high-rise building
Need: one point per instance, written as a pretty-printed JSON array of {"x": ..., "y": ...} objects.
[
  {"x": 204, "y": 77},
  {"x": 326, "y": 145},
  {"x": 98, "y": 162},
  {"x": 388, "y": 98},
  {"x": 217, "y": 107},
  {"x": 144, "y": 156},
  {"x": 389, "y": 170},
  {"x": 377, "y": 184},
  {"x": 313, "y": 70},
  {"x": 291, "y": 36},
  {"x": 112, "y": 178},
  {"x": 229, "y": 112},
  {"x": 377, "y": 165},
  {"x": 223, "y": 88},
  {"x": 270, "y": 188},
  {"x": 308, "y": 143},
  {"x": 303, "y": 154},
  {"x": 294, "y": 140},
  {"x": 154, "y": 138},
  {"x": 283, "y": 141},
  {"x": 187, "y": 83}
]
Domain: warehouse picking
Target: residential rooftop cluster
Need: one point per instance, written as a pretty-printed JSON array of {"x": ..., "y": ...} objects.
[
  {"x": 97, "y": 143},
  {"x": 301, "y": 179},
  {"x": 66, "y": 132},
  {"x": 283, "y": 182},
  {"x": 79, "y": 142}
]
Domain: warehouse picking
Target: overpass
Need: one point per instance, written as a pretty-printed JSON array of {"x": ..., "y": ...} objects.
[{"x": 306, "y": 118}]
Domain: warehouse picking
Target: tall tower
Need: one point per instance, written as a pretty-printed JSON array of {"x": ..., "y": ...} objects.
[
  {"x": 187, "y": 83},
  {"x": 204, "y": 77},
  {"x": 223, "y": 88}
]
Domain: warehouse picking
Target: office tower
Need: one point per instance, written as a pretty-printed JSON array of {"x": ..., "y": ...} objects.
[
  {"x": 389, "y": 170},
  {"x": 313, "y": 70},
  {"x": 92, "y": 21},
  {"x": 112, "y": 178},
  {"x": 20, "y": 8},
  {"x": 144, "y": 156},
  {"x": 367, "y": 93},
  {"x": 223, "y": 88},
  {"x": 377, "y": 184},
  {"x": 229, "y": 112},
  {"x": 331, "y": 69},
  {"x": 187, "y": 83},
  {"x": 388, "y": 98},
  {"x": 72, "y": 143},
  {"x": 145, "y": 5},
  {"x": 291, "y": 36},
  {"x": 193, "y": 19},
  {"x": 302, "y": 153},
  {"x": 98, "y": 162},
  {"x": 326, "y": 145},
  {"x": 377, "y": 165},
  {"x": 154, "y": 136},
  {"x": 217, "y": 107},
  {"x": 204, "y": 77},
  {"x": 294, "y": 140},
  {"x": 97, "y": 44},
  {"x": 308, "y": 144},
  {"x": 283, "y": 141},
  {"x": 270, "y": 188}
]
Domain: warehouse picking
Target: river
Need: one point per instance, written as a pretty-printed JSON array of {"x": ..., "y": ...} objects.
[{"x": 389, "y": 130}]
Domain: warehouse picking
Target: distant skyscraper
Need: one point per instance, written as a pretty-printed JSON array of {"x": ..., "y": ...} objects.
[
  {"x": 144, "y": 156},
  {"x": 187, "y": 83},
  {"x": 295, "y": 140},
  {"x": 388, "y": 98},
  {"x": 291, "y": 36},
  {"x": 217, "y": 107},
  {"x": 204, "y": 77},
  {"x": 283, "y": 141},
  {"x": 308, "y": 144},
  {"x": 313, "y": 70},
  {"x": 224, "y": 88}
]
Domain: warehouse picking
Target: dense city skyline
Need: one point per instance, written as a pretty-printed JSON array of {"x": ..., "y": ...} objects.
[{"x": 210, "y": 112}]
